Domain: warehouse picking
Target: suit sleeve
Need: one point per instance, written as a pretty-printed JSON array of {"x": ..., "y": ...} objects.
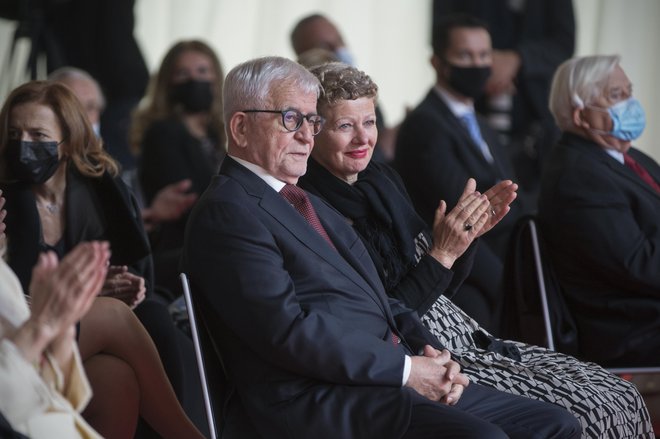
[
  {"x": 599, "y": 224},
  {"x": 427, "y": 165},
  {"x": 243, "y": 271},
  {"x": 427, "y": 280}
]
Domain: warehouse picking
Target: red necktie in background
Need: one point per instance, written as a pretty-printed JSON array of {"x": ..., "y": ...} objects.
[
  {"x": 641, "y": 171},
  {"x": 299, "y": 199}
]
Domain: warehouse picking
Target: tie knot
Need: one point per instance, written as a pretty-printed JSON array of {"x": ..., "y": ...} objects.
[{"x": 293, "y": 194}]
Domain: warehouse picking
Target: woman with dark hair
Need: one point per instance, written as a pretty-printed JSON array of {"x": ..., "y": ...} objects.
[
  {"x": 62, "y": 189},
  {"x": 178, "y": 134},
  {"x": 412, "y": 264}
]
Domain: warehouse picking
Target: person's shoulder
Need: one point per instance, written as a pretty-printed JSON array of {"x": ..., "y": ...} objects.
[{"x": 166, "y": 128}]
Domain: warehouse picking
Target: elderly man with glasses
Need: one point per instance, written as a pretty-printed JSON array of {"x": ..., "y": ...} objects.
[{"x": 311, "y": 345}]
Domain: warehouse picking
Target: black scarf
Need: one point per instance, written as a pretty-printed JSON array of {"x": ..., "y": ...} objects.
[{"x": 381, "y": 213}]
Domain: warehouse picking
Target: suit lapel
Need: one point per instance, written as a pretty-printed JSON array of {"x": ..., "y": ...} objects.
[
  {"x": 627, "y": 173},
  {"x": 469, "y": 149},
  {"x": 279, "y": 209}
]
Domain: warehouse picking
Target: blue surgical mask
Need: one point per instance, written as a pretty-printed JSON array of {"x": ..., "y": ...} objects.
[
  {"x": 628, "y": 119},
  {"x": 345, "y": 55}
]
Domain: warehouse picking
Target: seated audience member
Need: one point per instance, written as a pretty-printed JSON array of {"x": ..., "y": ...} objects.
[
  {"x": 530, "y": 39},
  {"x": 599, "y": 209},
  {"x": 42, "y": 382},
  {"x": 170, "y": 202},
  {"x": 309, "y": 339},
  {"x": 442, "y": 143},
  {"x": 419, "y": 266},
  {"x": 62, "y": 188},
  {"x": 178, "y": 135},
  {"x": 316, "y": 31}
]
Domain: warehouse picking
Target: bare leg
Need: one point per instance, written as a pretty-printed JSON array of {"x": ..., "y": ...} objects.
[
  {"x": 112, "y": 328},
  {"x": 115, "y": 413}
]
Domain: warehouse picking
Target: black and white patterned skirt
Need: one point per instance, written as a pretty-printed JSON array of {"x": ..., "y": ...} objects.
[{"x": 606, "y": 405}]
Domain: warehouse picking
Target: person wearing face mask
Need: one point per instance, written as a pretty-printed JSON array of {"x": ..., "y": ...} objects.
[
  {"x": 317, "y": 32},
  {"x": 62, "y": 188},
  {"x": 599, "y": 208},
  {"x": 178, "y": 135},
  {"x": 443, "y": 142}
]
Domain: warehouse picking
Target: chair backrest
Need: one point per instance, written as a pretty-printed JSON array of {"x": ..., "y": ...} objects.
[
  {"x": 201, "y": 344},
  {"x": 537, "y": 312}
]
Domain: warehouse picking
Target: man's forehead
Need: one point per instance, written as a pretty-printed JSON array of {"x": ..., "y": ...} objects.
[{"x": 289, "y": 95}]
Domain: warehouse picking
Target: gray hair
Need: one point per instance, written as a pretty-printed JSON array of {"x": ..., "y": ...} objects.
[
  {"x": 577, "y": 82},
  {"x": 248, "y": 85},
  {"x": 66, "y": 75}
]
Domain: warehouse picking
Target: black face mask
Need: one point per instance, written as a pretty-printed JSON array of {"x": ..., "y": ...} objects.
[
  {"x": 195, "y": 96},
  {"x": 32, "y": 162},
  {"x": 468, "y": 81}
]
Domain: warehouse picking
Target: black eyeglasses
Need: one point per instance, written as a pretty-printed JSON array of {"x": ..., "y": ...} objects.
[{"x": 293, "y": 119}]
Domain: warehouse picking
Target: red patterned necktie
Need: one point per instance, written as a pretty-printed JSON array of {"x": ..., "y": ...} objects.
[
  {"x": 641, "y": 171},
  {"x": 299, "y": 199}
]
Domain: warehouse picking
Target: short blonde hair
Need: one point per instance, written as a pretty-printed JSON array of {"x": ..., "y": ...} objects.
[
  {"x": 342, "y": 82},
  {"x": 577, "y": 82}
]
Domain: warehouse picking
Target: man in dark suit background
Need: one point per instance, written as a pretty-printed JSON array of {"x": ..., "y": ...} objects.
[
  {"x": 530, "y": 39},
  {"x": 310, "y": 341},
  {"x": 443, "y": 142}
]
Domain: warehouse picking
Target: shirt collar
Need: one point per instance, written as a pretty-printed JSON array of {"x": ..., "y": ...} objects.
[
  {"x": 456, "y": 107},
  {"x": 616, "y": 155},
  {"x": 271, "y": 181}
]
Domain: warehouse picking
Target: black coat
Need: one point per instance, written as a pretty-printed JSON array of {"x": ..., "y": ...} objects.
[{"x": 601, "y": 223}]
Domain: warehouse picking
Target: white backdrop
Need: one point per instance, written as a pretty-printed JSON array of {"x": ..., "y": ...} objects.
[{"x": 390, "y": 40}]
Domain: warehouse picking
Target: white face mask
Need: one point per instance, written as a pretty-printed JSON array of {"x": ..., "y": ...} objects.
[
  {"x": 96, "y": 127},
  {"x": 345, "y": 56}
]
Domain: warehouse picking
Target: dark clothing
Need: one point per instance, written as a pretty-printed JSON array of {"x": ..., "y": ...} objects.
[
  {"x": 542, "y": 32},
  {"x": 305, "y": 330},
  {"x": 435, "y": 156},
  {"x": 397, "y": 239},
  {"x": 101, "y": 209},
  {"x": 97, "y": 36},
  {"x": 600, "y": 221},
  {"x": 170, "y": 154},
  {"x": 96, "y": 209}
]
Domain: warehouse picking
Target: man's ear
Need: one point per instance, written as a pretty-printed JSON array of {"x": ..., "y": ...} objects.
[
  {"x": 238, "y": 129},
  {"x": 578, "y": 119}
]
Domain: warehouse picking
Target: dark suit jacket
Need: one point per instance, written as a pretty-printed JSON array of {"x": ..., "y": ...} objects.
[
  {"x": 544, "y": 36},
  {"x": 96, "y": 209},
  {"x": 305, "y": 330},
  {"x": 602, "y": 226},
  {"x": 435, "y": 156}
]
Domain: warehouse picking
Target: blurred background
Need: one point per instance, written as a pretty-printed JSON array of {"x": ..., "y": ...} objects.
[{"x": 388, "y": 38}]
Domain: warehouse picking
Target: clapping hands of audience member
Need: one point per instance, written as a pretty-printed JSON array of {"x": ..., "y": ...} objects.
[
  {"x": 170, "y": 203},
  {"x": 435, "y": 376},
  {"x": 61, "y": 294},
  {"x": 500, "y": 197},
  {"x": 453, "y": 232},
  {"x": 124, "y": 285}
]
